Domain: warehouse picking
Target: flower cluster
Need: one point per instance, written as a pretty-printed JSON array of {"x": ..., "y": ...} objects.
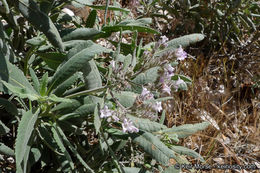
[{"x": 127, "y": 124}]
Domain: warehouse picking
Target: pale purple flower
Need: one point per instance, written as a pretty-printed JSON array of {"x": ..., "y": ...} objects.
[
  {"x": 105, "y": 112},
  {"x": 146, "y": 95},
  {"x": 113, "y": 118},
  {"x": 146, "y": 53},
  {"x": 164, "y": 39},
  {"x": 129, "y": 127},
  {"x": 166, "y": 88},
  {"x": 180, "y": 54},
  {"x": 178, "y": 83},
  {"x": 68, "y": 11},
  {"x": 157, "y": 106},
  {"x": 168, "y": 71}
]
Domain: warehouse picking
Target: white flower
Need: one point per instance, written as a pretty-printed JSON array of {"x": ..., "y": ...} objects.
[
  {"x": 68, "y": 11},
  {"x": 157, "y": 106},
  {"x": 164, "y": 39},
  {"x": 129, "y": 127},
  {"x": 146, "y": 95},
  {"x": 166, "y": 88},
  {"x": 180, "y": 54},
  {"x": 105, "y": 112}
]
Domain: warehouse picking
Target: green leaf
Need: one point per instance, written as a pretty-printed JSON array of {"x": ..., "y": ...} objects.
[
  {"x": 91, "y": 75},
  {"x": 97, "y": 121},
  {"x": 146, "y": 124},
  {"x": 22, "y": 92},
  {"x": 91, "y": 19},
  {"x": 45, "y": 135},
  {"x": 185, "y": 41},
  {"x": 41, "y": 21},
  {"x": 36, "y": 83},
  {"x": 182, "y": 150},
  {"x": 9, "y": 106},
  {"x": 79, "y": 33},
  {"x": 54, "y": 98},
  {"x": 76, "y": 62},
  {"x": 113, "y": 8},
  {"x": 149, "y": 76},
  {"x": 186, "y": 130},
  {"x": 13, "y": 76},
  {"x": 74, "y": 151},
  {"x": 24, "y": 132},
  {"x": 5, "y": 150},
  {"x": 67, "y": 106},
  {"x": 52, "y": 59},
  {"x": 126, "y": 98},
  {"x": 43, "y": 84},
  {"x": 66, "y": 159},
  {"x": 66, "y": 84},
  {"x": 116, "y": 28},
  {"x": 184, "y": 78},
  {"x": 36, "y": 41},
  {"x": 3, "y": 128},
  {"x": 153, "y": 146}
]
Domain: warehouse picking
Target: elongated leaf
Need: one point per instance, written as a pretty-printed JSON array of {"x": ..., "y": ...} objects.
[
  {"x": 149, "y": 76},
  {"x": 76, "y": 62},
  {"x": 36, "y": 41},
  {"x": 54, "y": 98},
  {"x": 52, "y": 59},
  {"x": 6, "y": 150},
  {"x": 41, "y": 21},
  {"x": 66, "y": 84},
  {"x": 186, "y": 130},
  {"x": 36, "y": 83},
  {"x": 185, "y": 40},
  {"x": 24, "y": 132},
  {"x": 126, "y": 98},
  {"x": 117, "y": 28},
  {"x": 3, "y": 128},
  {"x": 146, "y": 124},
  {"x": 45, "y": 135},
  {"x": 79, "y": 33},
  {"x": 13, "y": 76},
  {"x": 22, "y": 92},
  {"x": 67, "y": 106},
  {"x": 66, "y": 159},
  {"x": 43, "y": 84},
  {"x": 182, "y": 150},
  {"x": 9, "y": 106},
  {"x": 91, "y": 75},
  {"x": 91, "y": 19},
  {"x": 59, "y": 130},
  {"x": 153, "y": 146},
  {"x": 73, "y": 43},
  {"x": 113, "y": 8},
  {"x": 97, "y": 121}
]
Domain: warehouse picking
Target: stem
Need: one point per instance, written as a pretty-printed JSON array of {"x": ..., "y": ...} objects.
[{"x": 105, "y": 16}]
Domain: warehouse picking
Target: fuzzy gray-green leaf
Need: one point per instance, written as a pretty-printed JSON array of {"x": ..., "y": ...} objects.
[
  {"x": 76, "y": 62},
  {"x": 186, "y": 130},
  {"x": 91, "y": 75},
  {"x": 24, "y": 132},
  {"x": 153, "y": 146},
  {"x": 79, "y": 33}
]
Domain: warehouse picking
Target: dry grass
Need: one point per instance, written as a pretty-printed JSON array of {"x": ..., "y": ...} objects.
[{"x": 219, "y": 96}]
